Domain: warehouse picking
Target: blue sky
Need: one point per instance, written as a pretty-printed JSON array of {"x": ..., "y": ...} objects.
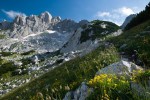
[{"x": 111, "y": 10}]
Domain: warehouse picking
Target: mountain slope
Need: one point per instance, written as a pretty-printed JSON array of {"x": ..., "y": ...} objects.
[
  {"x": 69, "y": 75},
  {"x": 47, "y": 60}
]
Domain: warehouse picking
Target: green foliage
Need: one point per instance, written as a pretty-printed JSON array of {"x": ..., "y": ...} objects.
[
  {"x": 2, "y": 36},
  {"x": 95, "y": 30},
  {"x": 6, "y": 67},
  {"x": 26, "y": 61},
  {"x": 142, "y": 77},
  {"x": 4, "y": 54}
]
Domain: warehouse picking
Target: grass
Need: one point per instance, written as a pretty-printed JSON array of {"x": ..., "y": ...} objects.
[
  {"x": 137, "y": 38},
  {"x": 68, "y": 76}
]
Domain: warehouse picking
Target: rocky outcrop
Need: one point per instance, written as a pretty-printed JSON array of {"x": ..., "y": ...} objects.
[
  {"x": 46, "y": 17},
  {"x": 127, "y": 20},
  {"x": 120, "y": 68},
  {"x": 75, "y": 43},
  {"x": 79, "y": 94},
  {"x": 68, "y": 25},
  {"x": 23, "y": 25}
]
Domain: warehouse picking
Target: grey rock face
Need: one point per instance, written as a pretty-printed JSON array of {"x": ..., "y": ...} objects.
[
  {"x": 26, "y": 25},
  {"x": 55, "y": 20},
  {"x": 23, "y": 26},
  {"x": 80, "y": 94},
  {"x": 120, "y": 68},
  {"x": 68, "y": 25},
  {"x": 127, "y": 20},
  {"x": 46, "y": 17},
  {"x": 43, "y": 33}
]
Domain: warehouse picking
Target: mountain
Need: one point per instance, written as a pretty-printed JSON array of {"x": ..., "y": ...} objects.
[
  {"x": 127, "y": 20},
  {"x": 85, "y": 76},
  {"x": 25, "y": 25},
  {"x": 37, "y": 32},
  {"x": 32, "y": 45},
  {"x": 69, "y": 60}
]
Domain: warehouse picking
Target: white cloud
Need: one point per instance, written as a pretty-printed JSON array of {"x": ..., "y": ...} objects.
[
  {"x": 12, "y": 14},
  {"x": 125, "y": 11},
  {"x": 116, "y": 15},
  {"x": 103, "y": 14}
]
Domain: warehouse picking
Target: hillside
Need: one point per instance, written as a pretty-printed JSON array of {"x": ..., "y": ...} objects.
[
  {"x": 138, "y": 39},
  {"x": 69, "y": 75}
]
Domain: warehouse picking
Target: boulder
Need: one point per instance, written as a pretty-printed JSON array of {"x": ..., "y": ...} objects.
[
  {"x": 80, "y": 94},
  {"x": 120, "y": 68}
]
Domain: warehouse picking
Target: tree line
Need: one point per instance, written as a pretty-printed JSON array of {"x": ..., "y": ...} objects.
[{"x": 140, "y": 18}]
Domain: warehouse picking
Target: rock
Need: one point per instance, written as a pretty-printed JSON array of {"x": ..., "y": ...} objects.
[
  {"x": 46, "y": 17},
  {"x": 127, "y": 20},
  {"x": 56, "y": 19},
  {"x": 83, "y": 22},
  {"x": 66, "y": 25},
  {"x": 123, "y": 46},
  {"x": 20, "y": 20},
  {"x": 120, "y": 68},
  {"x": 80, "y": 94},
  {"x": 36, "y": 60},
  {"x": 103, "y": 25},
  {"x": 25, "y": 25}
]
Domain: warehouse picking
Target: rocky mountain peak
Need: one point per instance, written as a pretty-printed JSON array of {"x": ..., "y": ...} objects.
[
  {"x": 20, "y": 20},
  {"x": 46, "y": 17},
  {"x": 26, "y": 25}
]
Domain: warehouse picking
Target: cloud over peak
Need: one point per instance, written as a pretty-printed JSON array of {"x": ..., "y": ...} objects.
[
  {"x": 12, "y": 14},
  {"x": 116, "y": 15},
  {"x": 125, "y": 11}
]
